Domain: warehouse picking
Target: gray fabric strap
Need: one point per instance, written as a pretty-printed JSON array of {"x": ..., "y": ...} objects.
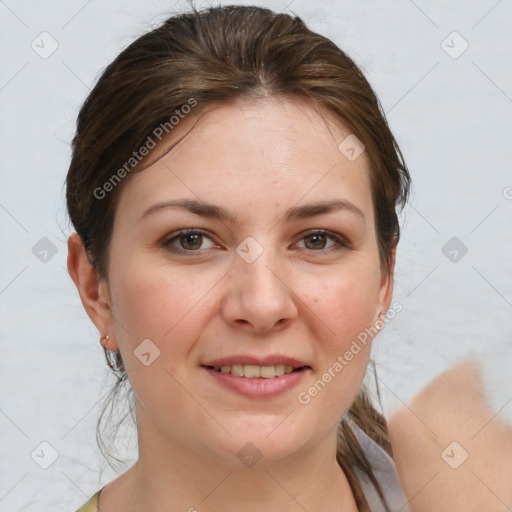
[{"x": 385, "y": 473}]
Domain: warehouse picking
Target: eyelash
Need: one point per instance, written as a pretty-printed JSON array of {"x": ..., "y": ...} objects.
[{"x": 340, "y": 242}]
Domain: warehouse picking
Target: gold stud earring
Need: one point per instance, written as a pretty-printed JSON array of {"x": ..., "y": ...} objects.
[{"x": 104, "y": 340}]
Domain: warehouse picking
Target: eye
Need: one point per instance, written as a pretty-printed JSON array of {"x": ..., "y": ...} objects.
[
  {"x": 316, "y": 241},
  {"x": 190, "y": 240}
]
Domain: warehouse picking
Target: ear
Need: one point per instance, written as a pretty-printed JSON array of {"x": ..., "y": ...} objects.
[
  {"x": 386, "y": 285},
  {"x": 93, "y": 291}
]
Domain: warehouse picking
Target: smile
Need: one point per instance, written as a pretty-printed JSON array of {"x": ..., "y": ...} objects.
[
  {"x": 257, "y": 382},
  {"x": 251, "y": 371}
]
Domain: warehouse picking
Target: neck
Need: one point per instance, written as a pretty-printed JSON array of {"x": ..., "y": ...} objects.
[{"x": 171, "y": 476}]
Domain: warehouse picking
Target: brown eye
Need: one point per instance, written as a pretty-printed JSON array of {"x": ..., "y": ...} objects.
[
  {"x": 188, "y": 241},
  {"x": 317, "y": 240}
]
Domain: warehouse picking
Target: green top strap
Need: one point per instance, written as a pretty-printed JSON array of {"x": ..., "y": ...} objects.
[{"x": 92, "y": 504}]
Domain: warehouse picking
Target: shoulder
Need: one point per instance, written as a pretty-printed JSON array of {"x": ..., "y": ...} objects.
[
  {"x": 91, "y": 505},
  {"x": 460, "y": 448}
]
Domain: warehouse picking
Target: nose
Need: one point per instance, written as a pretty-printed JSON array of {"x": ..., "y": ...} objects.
[{"x": 258, "y": 297}]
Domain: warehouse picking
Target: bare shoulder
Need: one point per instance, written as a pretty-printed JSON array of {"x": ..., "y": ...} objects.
[{"x": 451, "y": 451}]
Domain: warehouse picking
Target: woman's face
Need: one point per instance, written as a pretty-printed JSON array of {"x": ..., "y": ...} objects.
[{"x": 253, "y": 283}]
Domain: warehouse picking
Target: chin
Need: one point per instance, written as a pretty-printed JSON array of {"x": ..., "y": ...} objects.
[
  {"x": 262, "y": 442},
  {"x": 254, "y": 452}
]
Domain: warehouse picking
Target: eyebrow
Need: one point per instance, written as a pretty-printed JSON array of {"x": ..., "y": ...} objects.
[{"x": 218, "y": 212}]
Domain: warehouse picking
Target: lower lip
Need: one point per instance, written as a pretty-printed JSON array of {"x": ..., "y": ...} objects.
[{"x": 258, "y": 387}]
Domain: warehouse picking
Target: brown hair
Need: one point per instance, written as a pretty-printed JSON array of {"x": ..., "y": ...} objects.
[{"x": 212, "y": 57}]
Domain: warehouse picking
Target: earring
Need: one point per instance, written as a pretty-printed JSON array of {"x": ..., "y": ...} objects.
[{"x": 104, "y": 340}]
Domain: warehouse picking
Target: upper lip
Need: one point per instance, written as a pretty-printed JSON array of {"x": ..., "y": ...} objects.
[{"x": 270, "y": 360}]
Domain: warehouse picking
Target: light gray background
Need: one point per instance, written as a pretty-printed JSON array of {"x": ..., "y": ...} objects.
[{"x": 451, "y": 116}]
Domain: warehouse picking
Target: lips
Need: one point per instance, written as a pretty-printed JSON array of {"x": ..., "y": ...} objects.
[
  {"x": 255, "y": 381},
  {"x": 257, "y": 377},
  {"x": 256, "y": 367},
  {"x": 271, "y": 360}
]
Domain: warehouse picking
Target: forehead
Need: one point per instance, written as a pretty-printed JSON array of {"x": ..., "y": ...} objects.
[{"x": 251, "y": 153}]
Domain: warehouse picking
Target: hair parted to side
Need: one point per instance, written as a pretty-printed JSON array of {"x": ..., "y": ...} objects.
[{"x": 214, "y": 56}]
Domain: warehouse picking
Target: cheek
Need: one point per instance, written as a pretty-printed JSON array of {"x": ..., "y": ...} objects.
[
  {"x": 342, "y": 310},
  {"x": 157, "y": 303},
  {"x": 343, "y": 304},
  {"x": 163, "y": 306}
]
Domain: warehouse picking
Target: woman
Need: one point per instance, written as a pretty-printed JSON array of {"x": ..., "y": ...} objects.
[{"x": 233, "y": 187}]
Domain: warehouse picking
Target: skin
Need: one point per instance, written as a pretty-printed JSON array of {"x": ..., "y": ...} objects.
[
  {"x": 452, "y": 408},
  {"x": 302, "y": 297}
]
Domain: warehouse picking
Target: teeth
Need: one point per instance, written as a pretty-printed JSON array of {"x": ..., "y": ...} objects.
[
  {"x": 267, "y": 372},
  {"x": 237, "y": 370},
  {"x": 252, "y": 371},
  {"x": 279, "y": 369}
]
